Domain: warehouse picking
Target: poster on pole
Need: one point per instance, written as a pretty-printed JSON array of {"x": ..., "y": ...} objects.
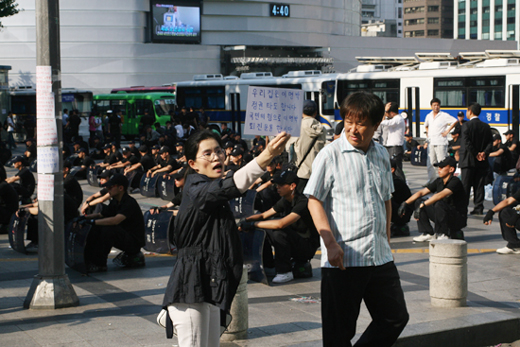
[
  {"x": 45, "y": 187},
  {"x": 45, "y": 107},
  {"x": 273, "y": 110},
  {"x": 47, "y": 132},
  {"x": 44, "y": 79},
  {"x": 48, "y": 160}
]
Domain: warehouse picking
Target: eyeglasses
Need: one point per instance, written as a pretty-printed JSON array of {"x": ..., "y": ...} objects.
[{"x": 209, "y": 156}]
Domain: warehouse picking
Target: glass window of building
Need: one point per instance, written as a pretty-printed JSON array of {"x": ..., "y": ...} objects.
[
  {"x": 434, "y": 20},
  {"x": 433, "y": 32},
  {"x": 433, "y": 8}
]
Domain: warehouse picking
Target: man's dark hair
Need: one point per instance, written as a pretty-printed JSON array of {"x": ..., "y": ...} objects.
[
  {"x": 363, "y": 105},
  {"x": 435, "y": 100},
  {"x": 394, "y": 108},
  {"x": 475, "y": 108}
]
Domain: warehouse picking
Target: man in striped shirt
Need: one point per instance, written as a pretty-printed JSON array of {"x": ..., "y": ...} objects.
[{"x": 350, "y": 193}]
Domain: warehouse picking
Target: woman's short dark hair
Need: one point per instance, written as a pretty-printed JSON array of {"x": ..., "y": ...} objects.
[
  {"x": 191, "y": 147},
  {"x": 363, "y": 105}
]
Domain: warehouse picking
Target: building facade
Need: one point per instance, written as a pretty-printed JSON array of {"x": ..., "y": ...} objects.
[
  {"x": 428, "y": 18},
  {"x": 487, "y": 20},
  {"x": 383, "y": 18}
]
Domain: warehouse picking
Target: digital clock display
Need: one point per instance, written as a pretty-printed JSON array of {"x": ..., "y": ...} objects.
[{"x": 279, "y": 10}]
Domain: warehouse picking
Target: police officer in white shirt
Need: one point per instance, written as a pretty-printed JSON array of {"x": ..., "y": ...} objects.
[
  {"x": 436, "y": 124},
  {"x": 394, "y": 129}
]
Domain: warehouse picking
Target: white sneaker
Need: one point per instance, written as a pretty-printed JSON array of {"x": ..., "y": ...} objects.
[
  {"x": 282, "y": 278},
  {"x": 507, "y": 250},
  {"x": 442, "y": 237},
  {"x": 424, "y": 238}
]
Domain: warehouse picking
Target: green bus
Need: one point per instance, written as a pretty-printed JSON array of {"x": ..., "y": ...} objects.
[{"x": 133, "y": 107}]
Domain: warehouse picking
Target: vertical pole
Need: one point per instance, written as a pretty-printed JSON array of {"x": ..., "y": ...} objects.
[
  {"x": 417, "y": 112},
  {"x": 409, "y": 109},
  {"x": 51, "y": 288},
  {"x": 515, "y": 109},
  {"x": 239, "y": 113}
]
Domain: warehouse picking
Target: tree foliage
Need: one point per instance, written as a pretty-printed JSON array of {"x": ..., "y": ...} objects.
[{"x": 8, "y": 8}]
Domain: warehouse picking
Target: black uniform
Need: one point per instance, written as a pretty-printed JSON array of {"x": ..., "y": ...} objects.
[
  {"x": 27, "y": 183},
  {"x": 127, "y": 236},
  {"x": 72, "y": 188},
  {"x": 448, "y": 214},
  {"x": 515, "y": 154},
  {"x": 8, "y": 202},
  {"x": 401, "y": 193},
  {"x": 113, "y": 158},
  {"x": 147, "y": 162},
  {"x": 509, "y": 233},
  {"x": 299, "y": 241}
]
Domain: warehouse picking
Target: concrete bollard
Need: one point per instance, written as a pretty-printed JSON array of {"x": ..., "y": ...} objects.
[
  {"x": 237, "y": 330},
  {"x": 448, "y": 273}
]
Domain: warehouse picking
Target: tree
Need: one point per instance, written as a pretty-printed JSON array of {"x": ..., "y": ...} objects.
[{"x": 8, "y": 8}]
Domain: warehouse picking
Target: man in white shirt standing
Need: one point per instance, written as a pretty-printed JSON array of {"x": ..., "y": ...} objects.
[
  {"x": 394, "y": 127},
  {"x": 436, "y": 124}
]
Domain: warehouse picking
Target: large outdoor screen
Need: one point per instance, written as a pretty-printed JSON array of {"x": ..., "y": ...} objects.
[{"x": 175, "y": 21}]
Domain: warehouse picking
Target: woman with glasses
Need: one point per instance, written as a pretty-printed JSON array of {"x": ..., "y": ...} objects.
[{"x": 209, "y": 263}]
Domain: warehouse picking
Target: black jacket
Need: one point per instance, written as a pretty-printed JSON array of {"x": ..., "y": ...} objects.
[
  {"x": 476, "y": 137},
  {"x": 209, "y": 262}
]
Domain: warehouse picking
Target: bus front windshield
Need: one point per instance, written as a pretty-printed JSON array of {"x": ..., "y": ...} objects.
[
  {"x": 164, "y": 106},
  {"x": 327, "y": 97}
]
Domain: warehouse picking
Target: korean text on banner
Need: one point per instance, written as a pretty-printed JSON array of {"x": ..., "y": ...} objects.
[
  {"x": 48, "y": 160},
  {"x": 273, "y": 110},
  {"x": 45, "y": 187}
]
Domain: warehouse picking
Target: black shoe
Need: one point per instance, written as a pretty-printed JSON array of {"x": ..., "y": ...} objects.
[
  {"x": 91, "y": 268},
  {"x": 31, "y": 247},
  {"x": 302, "y": 270},
  {"x": 136, "y": 260},
  {"x": 399, "y": 230},
  {"x": 476, "y": 212},
  {"x": 457, "y": 235}
]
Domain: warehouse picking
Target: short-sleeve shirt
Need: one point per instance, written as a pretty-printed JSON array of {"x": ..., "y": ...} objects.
[
  {"x": 303, "y": 226},
  {"x": 458, "y": 199},
  {"x": 514, "y": 141},
  {"x": 112, "y": 158},
  {"x": 353, "y": 187},
  {"x": 8, "y": 202},
  {"x": 436, "y": 126},
  {"x": 171, "y": 162},
  {"x": 114, "y": 122},
  {"x": 73, "y": 188},
  {"x": 132, "y": 160},
  {"x": 147, "y": 162},
  {"x": 87, "y": 161},
  {"x": 134, "y": 221}
]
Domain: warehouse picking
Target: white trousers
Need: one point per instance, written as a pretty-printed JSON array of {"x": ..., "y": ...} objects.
[
  {"x": 197, "y": 325},
  {"x": 436, "y": 153}
]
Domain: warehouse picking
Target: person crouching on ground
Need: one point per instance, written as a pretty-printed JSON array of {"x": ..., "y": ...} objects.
[
  {"x": 209, "y": 263},
  {"x": 120, "y": 225},
  {"x": 447, "y": 208}
]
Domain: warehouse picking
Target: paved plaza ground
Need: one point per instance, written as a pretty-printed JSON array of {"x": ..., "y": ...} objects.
[{"x": 119, "y": 307}]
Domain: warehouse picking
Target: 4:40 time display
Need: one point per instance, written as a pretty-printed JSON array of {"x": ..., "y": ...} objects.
[{"x": 279, "y": 10}]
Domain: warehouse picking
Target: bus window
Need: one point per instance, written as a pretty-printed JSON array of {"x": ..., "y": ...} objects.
[
  {"x": 192, "y": 98},
  {"x": 327, "y": 98},
  {"x": 164, "y": 106},
  {"x": 386, "y": 90},
  {"x": 215, "y": 98},
  {"x": 488, "y": 91},
  {"x": 141, "y": 105},
  {"x": 118, "y": 105},
  {"x": 451, "y": 98},
  {"x": 102, "y": 106}
]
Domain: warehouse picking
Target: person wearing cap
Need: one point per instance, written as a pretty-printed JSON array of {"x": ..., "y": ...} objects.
[
  {"x": 134, "y": 149},
  {"x": 179, "y": 180},
  {"x": 240, "y": 142},
  {"x": 84, "y": 162},
  {"x": 112, "y": 155},
  {"x": 82, "y": 143},
  {"x": 155, "y": 154},
  {"x": 447, "y": 207},
  {"x": 166, "y": 163},
  {"x": 152, "y": 136},
  {"x": 120, "y": 225},
  {"x": 312, "y": 139},
  {"x": 127, "y": 160},
  {"x": 457, "y": 126},
  {"x": 436, "y": 124},
  {"x": 394, "y": 128},
  {"x": 258, "y": 145},
  {"x": 236, "y": 160},
  {"x": 401, "y": 193},
  {"x": 509, "y": 219},
  {"x": 145, "y": 163},
  {"x": 454, "y": 144},
  {"x": 97, "y": 149},
  {"x": 71, "y": 185},
  {"x": 23, "y": 182},
  {"x": 500, "y": 157},
  {"x": 410, "y": 144},
  {"x": 512, "y": 145},
  {"x": 350, "y": 204},
  {"x": 179, "y": 153},
  {"x": 99, "y": 197},
  {"x": 8, "y": 201},
  {"x": 293, "y": 236},
  {"x": 475, "y": 146}
]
